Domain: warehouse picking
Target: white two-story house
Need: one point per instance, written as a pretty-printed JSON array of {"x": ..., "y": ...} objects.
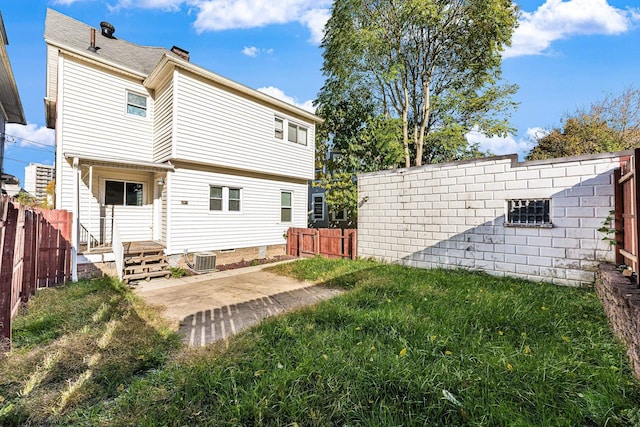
[{"x": 151, "y": 147}]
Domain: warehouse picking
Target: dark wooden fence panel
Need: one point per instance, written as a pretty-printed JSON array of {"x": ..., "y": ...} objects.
[
  {"x": 328, "y": 242},
  {"x": 35, "y": 251},
  {"x": 626, "y": 216}
]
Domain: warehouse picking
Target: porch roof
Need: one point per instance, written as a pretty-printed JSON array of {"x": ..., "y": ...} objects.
[{"x": 112, "y": 162}]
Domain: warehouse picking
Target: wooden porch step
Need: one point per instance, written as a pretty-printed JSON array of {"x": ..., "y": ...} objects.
[
  {"x": 144, "y": 260},
  {"x": 148, "y": 267},
  {"x": 146, "y": 276}
]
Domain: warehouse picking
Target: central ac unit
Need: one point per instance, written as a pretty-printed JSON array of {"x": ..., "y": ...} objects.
[{"x": 204, "y": 261}]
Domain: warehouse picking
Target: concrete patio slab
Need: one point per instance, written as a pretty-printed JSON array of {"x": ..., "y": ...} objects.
[{"x": 214, "y": 306}]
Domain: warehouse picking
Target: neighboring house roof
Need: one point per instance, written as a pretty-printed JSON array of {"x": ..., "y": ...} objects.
[
  {"x": 147, "y": 62},
  {"x": 9, "y": 98}
]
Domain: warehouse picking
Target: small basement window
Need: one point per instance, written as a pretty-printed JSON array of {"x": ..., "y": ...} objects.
[{"x": 529, "y": 212}]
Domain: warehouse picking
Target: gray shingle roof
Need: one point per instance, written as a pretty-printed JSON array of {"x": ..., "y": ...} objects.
[{"x": 65, "y": 31}]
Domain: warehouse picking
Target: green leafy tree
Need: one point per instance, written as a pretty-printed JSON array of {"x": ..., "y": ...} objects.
[
  {"x": 432, "y": 65},
  {"x": 352, "y": 139},
  {"x": 608, "y": 125}
]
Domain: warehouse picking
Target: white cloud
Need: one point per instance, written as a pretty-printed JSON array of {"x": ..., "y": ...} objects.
[
  {"x": 216, "y": 15},
  {"x": 65, "y": 2},
  {"x": 171, "y": 5},
  {"x": 30, "y": 135},
  {"x": 557, "y": 20},
  {"x": 231, "y": 14},
  {"x": 253, "y": 51},
  {"x": 316, "y": 19},
  {"x": 507, "y": 145},
  {"x": 279, "y": 94}
]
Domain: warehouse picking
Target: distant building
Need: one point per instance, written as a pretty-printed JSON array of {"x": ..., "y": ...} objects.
[{"x": 36, "y": 178}]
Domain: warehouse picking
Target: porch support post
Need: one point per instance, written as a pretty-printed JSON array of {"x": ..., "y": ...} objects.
[
  {"x": 90, "y": 223},
  {"x": 75, "y": 230}
]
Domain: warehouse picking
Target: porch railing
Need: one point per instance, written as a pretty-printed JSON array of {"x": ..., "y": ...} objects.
[
  {"x": 118, "y": 249},
  {"x": 97, "y": 232}
]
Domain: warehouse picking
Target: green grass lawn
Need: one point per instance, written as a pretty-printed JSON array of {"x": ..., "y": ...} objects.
[{"x": 401, "y": 347}]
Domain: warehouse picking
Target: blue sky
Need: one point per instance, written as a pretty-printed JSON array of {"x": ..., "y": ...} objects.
[{"x": 565, "y": 54}]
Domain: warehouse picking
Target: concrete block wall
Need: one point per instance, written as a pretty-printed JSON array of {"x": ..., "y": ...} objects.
[{"x": 452, "y": 215}]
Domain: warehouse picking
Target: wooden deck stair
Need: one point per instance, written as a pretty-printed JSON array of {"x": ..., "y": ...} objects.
[{"x": 144, "y": 260}]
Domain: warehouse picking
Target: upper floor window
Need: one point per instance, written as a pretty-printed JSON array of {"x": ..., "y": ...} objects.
[
  {"x": 123, "y": 193},
  {"x": 279, "y": 128},
  {"x": 294, "y": 132},
  {"x": 297, "y": 134},
  {"x": 136, "y": 104}
]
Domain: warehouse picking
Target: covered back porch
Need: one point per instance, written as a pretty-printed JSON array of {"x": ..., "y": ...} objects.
[{"x": 117, "y": 202}]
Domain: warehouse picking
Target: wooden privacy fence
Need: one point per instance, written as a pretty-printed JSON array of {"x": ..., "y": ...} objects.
[
  {"x": 35, "y": 252},
  {"x": 627, "y": 199},
  {"x": 328, "y": 242}
]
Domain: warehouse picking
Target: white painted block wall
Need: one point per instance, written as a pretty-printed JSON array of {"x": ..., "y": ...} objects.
[{"x": 453, "y": 216}]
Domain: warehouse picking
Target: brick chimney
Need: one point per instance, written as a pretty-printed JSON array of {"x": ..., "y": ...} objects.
[{"x": 180, "y": 52}]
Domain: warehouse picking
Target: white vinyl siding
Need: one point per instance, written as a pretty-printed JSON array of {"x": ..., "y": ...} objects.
[
  {"x": 52, "y": 72},
  {"x": 93, "y": 118},
  {"x": 222, "y": 128},
  {"x": 258, "y": 223},
  {"x": 163, "y": 123},
  {"x": 134, "y": 223}
]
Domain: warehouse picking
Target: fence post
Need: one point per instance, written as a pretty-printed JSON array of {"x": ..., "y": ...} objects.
[
  {"x": 316, "y": 241},
  {"x": 353, "y": 234},
  {"x": 618, "y": 221},
  {"x": 10, "y": 217},
  {"x": 636, "y": 202}
]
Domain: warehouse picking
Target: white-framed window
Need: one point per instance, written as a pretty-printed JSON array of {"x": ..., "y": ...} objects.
[
  {"x": 295, "y": 132},
  {"x": 123, "y": 193},
  {"x": 286, "y": 207},
  {"x": 136, "y": 104},
  {"x": 279, "y": 128},
  {"x": 339, "y": 215},
  {"x": 225, "y": 199},
  {"x": 215, "y": 198},
  {"x": 529, "y": 212},
  {"x": 318, "y": 206},
  {"x": 234, "y": 199}
]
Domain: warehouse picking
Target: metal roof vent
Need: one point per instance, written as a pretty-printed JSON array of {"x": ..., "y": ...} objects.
[{"x": 107, "y": 29}]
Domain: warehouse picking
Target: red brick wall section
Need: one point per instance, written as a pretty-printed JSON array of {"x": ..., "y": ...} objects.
[{"x": 621, "y": 301}]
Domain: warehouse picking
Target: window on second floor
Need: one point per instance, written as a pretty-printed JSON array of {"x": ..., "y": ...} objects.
[
  {"x": 297, "y": 134},
  {"x": 136, "y": 104},
  {"x": 279, "y": 128},
  {"x": 294, "y": 132}
]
